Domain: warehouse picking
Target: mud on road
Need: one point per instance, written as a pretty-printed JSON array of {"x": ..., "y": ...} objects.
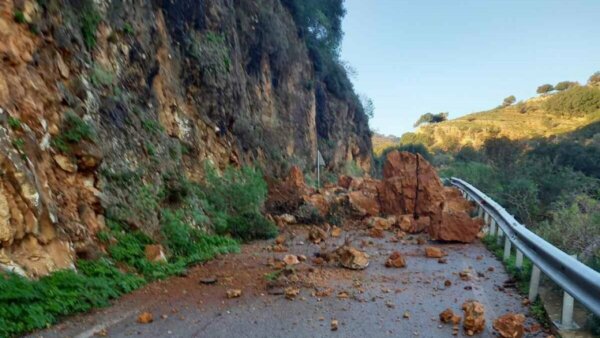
[{"x": 308, "y": 299}]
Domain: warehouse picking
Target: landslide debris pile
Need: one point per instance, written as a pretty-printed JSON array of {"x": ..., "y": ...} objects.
[{"x": 409, "y": 199}]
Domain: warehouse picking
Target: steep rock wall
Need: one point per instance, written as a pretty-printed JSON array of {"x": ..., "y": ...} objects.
[{"x": 101, "y": 100}]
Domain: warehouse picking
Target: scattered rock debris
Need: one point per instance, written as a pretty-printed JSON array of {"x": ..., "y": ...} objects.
[
  {"x": 434, "y": 252},
  {"x": 336, "y": 232},
  {"x": 233, "y": 293},
  {"x": 291, "y": 292},
  {"x": 145, "y": 318},
  {"x": 474, "y": 314},
  {"x": 317, "y": 235},
  {"x": 377, "y": 233},
  {"x": 395, "y": 260},
  {"x": 510, "y": 325},
  {"x": 334, "y": 325},
  {"x": 280, "y": 240},
  {"x": 465, "y": 275},
  {"x": 352, "y": 258},
  {"x": 291, "y": 260},
  {"x": 446, "y": 315}
]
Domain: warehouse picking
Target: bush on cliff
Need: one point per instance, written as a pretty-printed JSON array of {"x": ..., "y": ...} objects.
[{"x": 235, "y": 200}]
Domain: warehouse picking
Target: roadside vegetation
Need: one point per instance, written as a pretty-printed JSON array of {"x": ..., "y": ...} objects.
[{"x": 197, "y": 223}]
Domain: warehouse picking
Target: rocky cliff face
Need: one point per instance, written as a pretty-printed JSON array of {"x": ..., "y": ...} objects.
[{"x": 101, "y": 100}]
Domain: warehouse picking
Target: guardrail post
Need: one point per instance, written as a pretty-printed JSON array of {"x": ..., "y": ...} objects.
[
  {"x": 566, "y": 322},
  {"x": 534, "y": 283},
  {"x": 493, "y": 227},
  {"x": 479, "y": 212},
  {"x": 519, "y": 260},
  {"x": 500, "y": 235},
  {"x": 507, "y": 247}
]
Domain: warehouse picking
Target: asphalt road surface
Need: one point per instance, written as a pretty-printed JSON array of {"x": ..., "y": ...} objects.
[{"x": 380, "y": 302}]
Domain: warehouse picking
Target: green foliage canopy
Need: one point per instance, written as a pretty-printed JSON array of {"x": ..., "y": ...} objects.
[
  {"x": 431, "y": 118},
  {"x": 545, "y": 88}
]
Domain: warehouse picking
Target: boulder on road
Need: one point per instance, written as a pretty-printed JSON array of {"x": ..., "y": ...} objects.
[
  {"x": 286, "y": 196},
  {"x": 434, "y": 252},
  {"x": 510, "y": 325},
  {"x": 381, "y": 223},
  {"x": 364, "y": 204},
  {"x": 352, "y": 258},
  {"x": 456, "y": 226},
  {"x": 474, "y": 314},
  {"x": 395, "y": 260}
]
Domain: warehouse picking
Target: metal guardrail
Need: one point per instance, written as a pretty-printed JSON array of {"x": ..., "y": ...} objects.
[{"x": 575, "y": 278}]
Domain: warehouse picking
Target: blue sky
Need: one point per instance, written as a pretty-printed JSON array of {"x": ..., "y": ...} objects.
[{"x": 414, "y": 57}]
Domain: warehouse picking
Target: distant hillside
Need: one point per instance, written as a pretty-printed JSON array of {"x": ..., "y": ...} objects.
[
  {"x": 543, "y": 116},
  {"x": 380, "y": 142}
]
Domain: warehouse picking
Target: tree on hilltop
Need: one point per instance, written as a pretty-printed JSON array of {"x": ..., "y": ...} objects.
[
  {"x": 431, "y": 118},
  {"x": 509, "y": 101},
  {"x": 594, "y": 80},
  {"x": 564, "y": 85},
  {"x": 545, "y": 88}
]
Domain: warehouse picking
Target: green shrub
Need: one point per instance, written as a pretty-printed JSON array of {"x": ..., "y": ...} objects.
[
  {"x": 73, "y": 131},
  {"x": 577, "y": 101},
  {"x": 128, "y": 29},
  {"x": 19, "y": 17},
  {"x": 101, "y": 77},
  {"x": 251, "y": 225},
  {"x": 211, "y": 52},
  {"x": 14, "y": 123},
  {"x": 26, "y": 305},
  {"x": 191, "y": 244},
  {"x": 351, "y": 168},
  {"x": 129, "y": 249},
  {"x": 150, "y": 149},
  {"x": 573, "y": 226},
  {"x": 153, "y": 126},
  {"x": 235, "y": 201},
  {"x": 308, "y": 214},
  {"x": 90, "y": 18},
  {"x": 19, "y": 144}
]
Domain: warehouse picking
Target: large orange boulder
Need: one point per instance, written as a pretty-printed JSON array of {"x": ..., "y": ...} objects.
[
  {"x": 344, "y": 181},
  {"x": 455, "y": 200},
  {"x": 457, "y": 224},
  {"x": 319, "y": 201},
  {"x": 363, "y": 203},
  {"x": 411, "y": 186},
  {"x": 286, "y": 196},
  {"x": 396, "y": 197}
]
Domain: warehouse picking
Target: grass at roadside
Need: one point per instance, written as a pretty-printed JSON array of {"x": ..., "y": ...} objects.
[{"x": 521, "y": 276}]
